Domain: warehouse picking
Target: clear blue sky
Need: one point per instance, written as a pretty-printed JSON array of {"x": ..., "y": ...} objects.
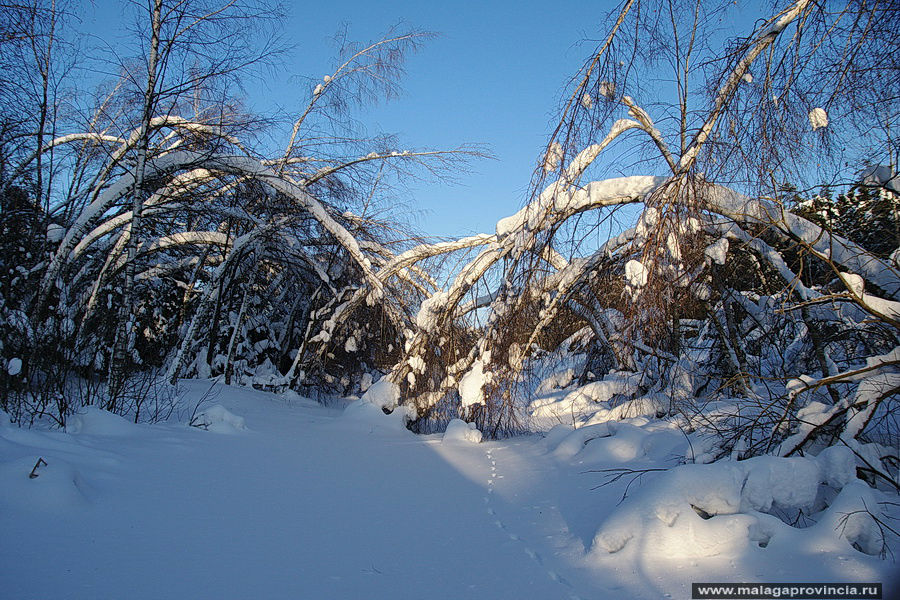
[{"x": 493, "y": 76}]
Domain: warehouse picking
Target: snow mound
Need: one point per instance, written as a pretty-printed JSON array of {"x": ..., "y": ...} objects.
[
  {"x": 379, "y": 409},
  {"x": 645, "y": 406},
  {"x": 96, "y": 421},
  {"x": 460, "y": 431},
  {"x": 617, "y": 442},
  {"x": 662, "y": 511},
  {"x": 852, "y": 517},
  {"x": 556, "y": 435},
  {"x": 591, "y": 403},
  {"x": 219, "y": 419},
  {"x": 366, "y": 416},
  {"x": 721, "y": 509},
  {"x": 838, "y": 465},
  {"x": 575, "y": 441},
  {"x": 56, "y": 485},
  {"x": 557, "y": 380},
  {"x": 784, "y": 482},
  {"x": 632, "y": 441},
  {"x": 382, "y": 394}
]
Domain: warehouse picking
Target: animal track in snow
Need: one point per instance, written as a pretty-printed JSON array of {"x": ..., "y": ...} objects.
[{"x": 538, "y": 560}]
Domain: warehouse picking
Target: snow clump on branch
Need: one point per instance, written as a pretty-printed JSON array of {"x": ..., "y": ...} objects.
[{"x": 818, "y": 118}]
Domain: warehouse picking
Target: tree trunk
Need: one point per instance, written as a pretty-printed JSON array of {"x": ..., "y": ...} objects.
[{"x": 125, "y": 326}]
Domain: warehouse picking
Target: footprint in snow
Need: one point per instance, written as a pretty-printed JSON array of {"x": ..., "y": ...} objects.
[{"x": 512, "y": 536}]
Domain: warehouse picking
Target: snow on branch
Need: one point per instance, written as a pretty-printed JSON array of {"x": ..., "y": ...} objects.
[
  {"x": 826, "y": 245},
  {"x": 556, "y": 204}
]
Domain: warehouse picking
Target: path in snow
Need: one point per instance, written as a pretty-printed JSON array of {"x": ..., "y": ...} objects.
[
  {"x": 525, "y": 544},
  {"x": 302, "y": 504}
]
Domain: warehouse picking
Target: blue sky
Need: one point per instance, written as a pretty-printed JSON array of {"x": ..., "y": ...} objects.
[{"x": 493, "y": 76}]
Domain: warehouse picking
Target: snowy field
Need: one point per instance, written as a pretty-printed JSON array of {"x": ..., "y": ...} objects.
[{"x": 284, "y": 498}]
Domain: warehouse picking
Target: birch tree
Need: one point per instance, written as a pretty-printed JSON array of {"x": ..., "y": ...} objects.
[{"x": 705, "y": 288}]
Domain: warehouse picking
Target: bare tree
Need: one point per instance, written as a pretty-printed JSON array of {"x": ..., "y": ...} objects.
[{"x": 747, "y": 116}]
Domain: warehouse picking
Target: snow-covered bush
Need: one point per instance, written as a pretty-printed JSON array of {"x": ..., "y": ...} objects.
[{"x": 460, "y": 431}]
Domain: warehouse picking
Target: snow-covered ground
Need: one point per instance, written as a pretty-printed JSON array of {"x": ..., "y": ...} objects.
[{"x": 284, "y": 498}]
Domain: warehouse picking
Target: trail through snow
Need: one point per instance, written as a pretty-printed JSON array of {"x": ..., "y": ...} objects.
[
  {"x": 301, "y": 501},
  {"x": 302, "y": 504}
]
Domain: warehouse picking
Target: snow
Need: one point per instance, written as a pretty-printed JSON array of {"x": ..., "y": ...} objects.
[
  {"x": 636, "y": 273},
  {"x": 833, "y": 247},
  {"x": 367, "y": 417},
  {"x": 553, "y": 157},
  {"x": 429, "y": 311},
  {"x": 587, "y": 102},
  {"x": 92, "y": 420},
  {"x": 219, "y": 419},
  {"x": 471, "y": 385},
  {"x": 852, "y": 516},
  {"x": 881, "y": 176},
  {"x": 460, "y": 431},
  {"x": 318, "y": 502},
  {"x": 365, "y": 382},
  {"x": 55, "y": 233},
  {"x": 722, "y": 509},
  {"x": 837, "y": 465},
  {"x": 717, "y": 251},
  {"x": 14, "y": 367},
  {"x": 384, "y": 394},
  {"x": 555, "y": 381},
  {"x": 786, "y": 482},
  {"x": 854, "y": 283},
  {"x": 818, "y": 118},
  {"x": 647, "y": 221},
  {"x": 417, "y": 364},
  {"x": 608, "y": 90},
  {"x": 592, "y": 403}
]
